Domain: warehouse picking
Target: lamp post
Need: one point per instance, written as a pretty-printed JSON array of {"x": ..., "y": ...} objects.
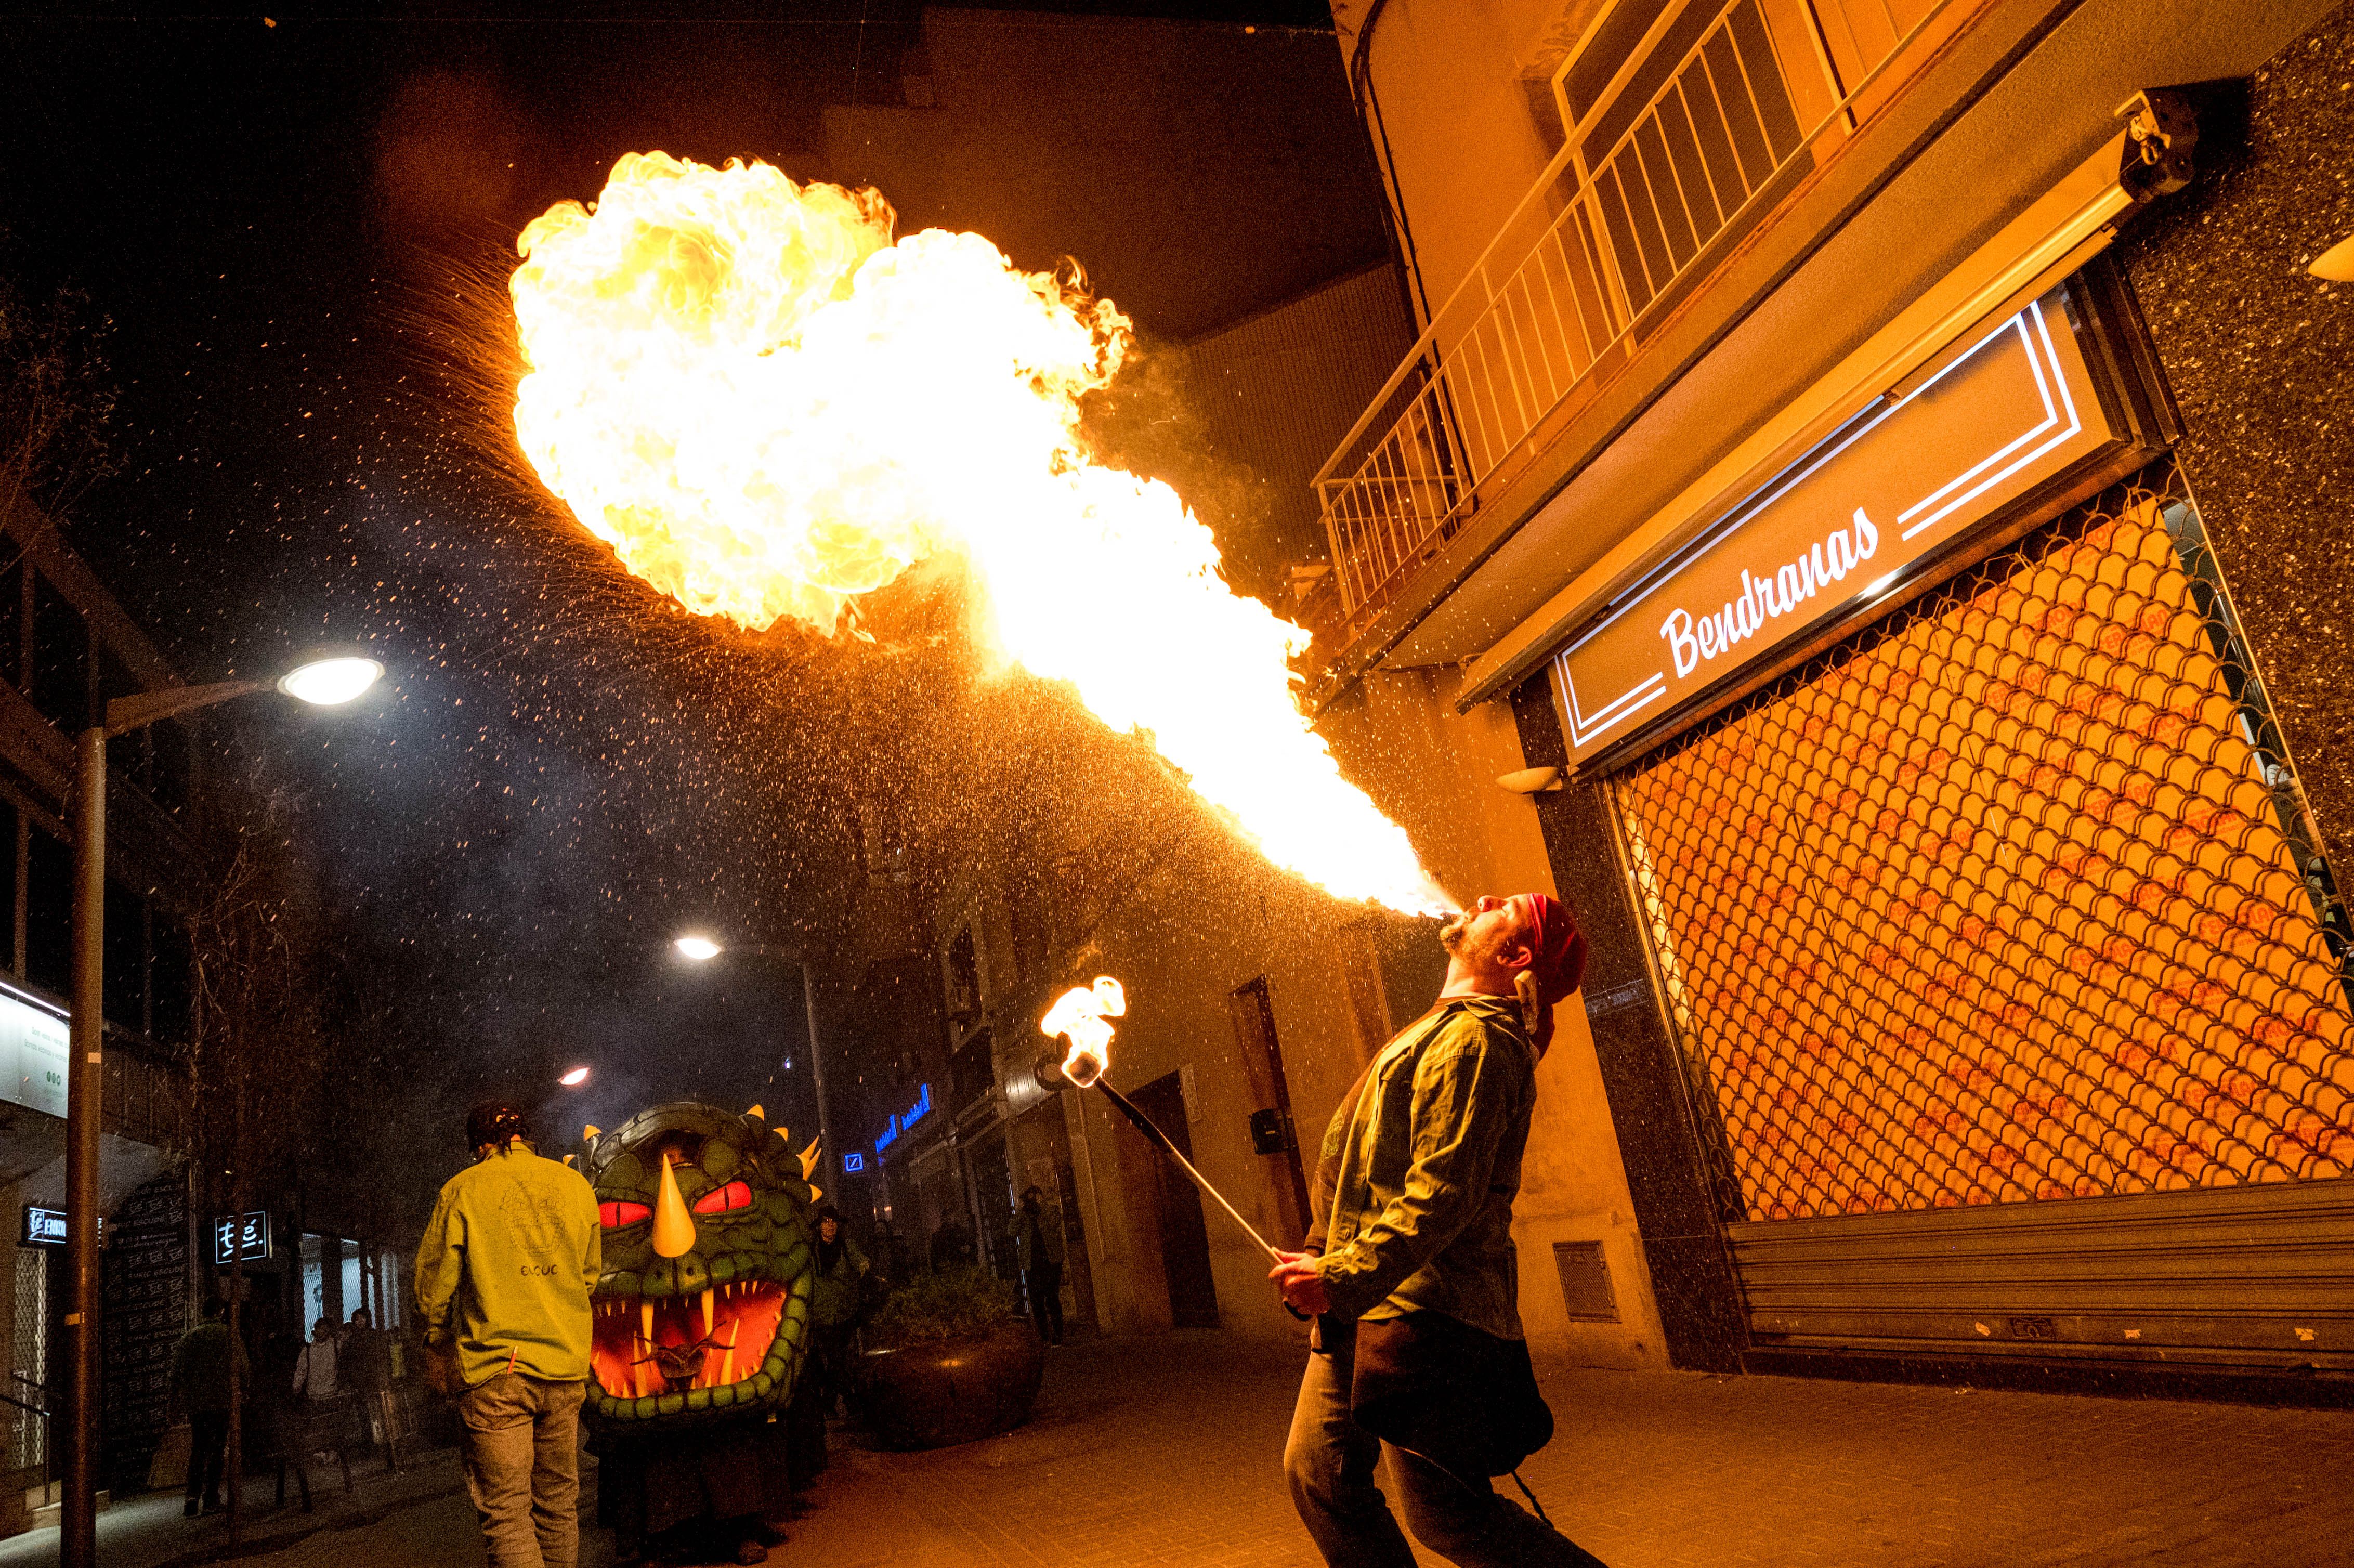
[
  {"x": 322, "y": 681},
  {"x": 701, "y": 949}
]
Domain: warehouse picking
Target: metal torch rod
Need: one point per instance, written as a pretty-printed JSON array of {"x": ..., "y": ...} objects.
[{"x": 1145, "y": 1125}]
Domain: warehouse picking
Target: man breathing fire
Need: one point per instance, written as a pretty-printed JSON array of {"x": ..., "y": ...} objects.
[{"x": 1409, "y": 1269}]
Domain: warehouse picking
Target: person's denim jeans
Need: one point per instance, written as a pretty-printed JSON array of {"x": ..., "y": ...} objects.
[
  {"x": 522, "y": 1467},
  {"x": 1330, "y": 1461}
]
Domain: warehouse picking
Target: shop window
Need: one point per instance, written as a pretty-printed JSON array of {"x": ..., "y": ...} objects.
[
  {"x": 313, "y": 1256},
  {"x": 61, "y": 658},
  {"x": 2012, "y": 898},
  {"x": 388, "y": 1271},
  {"x": 49, "y": 914},
  {"x": 29, "y": 1358}
]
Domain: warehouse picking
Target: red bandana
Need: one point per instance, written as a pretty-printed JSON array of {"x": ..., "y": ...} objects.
[{"x": 1559, "y": 947}]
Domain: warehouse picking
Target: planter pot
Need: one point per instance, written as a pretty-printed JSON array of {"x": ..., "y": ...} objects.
[{"x": 931, "y": 1394}]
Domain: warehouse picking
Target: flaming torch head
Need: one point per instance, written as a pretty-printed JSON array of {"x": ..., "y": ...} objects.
[{"x": 1082, "y": 1016}]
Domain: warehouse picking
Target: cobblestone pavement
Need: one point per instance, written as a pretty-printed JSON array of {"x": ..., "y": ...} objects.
[{"x": 1166, "y": 1451}]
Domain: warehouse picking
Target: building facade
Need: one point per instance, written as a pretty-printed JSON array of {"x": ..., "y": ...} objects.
[
  {"x": 1254, "y": 1000},
  {"x": 1866, "y": 489},
  {"x": 67, "y": 646}
]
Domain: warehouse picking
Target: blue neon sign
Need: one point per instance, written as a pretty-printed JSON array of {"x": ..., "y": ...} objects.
[
  {"x": 852, "y": 1162},
  {"x": 901, "y": 1122}
]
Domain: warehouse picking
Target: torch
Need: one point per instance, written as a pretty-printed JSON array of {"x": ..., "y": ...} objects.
[{"x": 1083, "y": 1016}]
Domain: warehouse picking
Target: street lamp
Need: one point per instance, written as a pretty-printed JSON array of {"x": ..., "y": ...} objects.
[
  {"x": 698, "y": 949},
  {"x": 575, "y": 1078},
  {"x": 322, "y": 681}
]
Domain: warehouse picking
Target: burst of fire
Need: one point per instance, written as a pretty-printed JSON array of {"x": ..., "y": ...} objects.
[
  {"x": 769, "y": 409},
  {"x": 1083, "y": 1016}
]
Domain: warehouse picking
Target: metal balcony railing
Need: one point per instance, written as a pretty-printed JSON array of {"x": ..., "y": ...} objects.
[{"x": 1710, "y": 123}]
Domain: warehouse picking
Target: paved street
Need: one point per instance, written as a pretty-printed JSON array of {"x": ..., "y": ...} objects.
[{"x": 1165, "y": 1451}]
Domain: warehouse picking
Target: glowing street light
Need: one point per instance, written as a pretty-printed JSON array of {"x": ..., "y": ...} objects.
[
  {"x": 701, "y": 949},
  {"x": 328, "y": 682},
  {"x": 575, "y": 1078}
]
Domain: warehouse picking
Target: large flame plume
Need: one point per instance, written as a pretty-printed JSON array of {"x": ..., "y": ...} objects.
[{"x": 769, "y": 409}]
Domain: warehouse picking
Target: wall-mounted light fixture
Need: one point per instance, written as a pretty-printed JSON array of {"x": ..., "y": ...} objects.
[{"x": 1531, "y": 781}]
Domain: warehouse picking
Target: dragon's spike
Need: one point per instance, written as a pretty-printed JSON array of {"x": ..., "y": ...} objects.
[
  {"x": 673, "y": 1235},
  {"x": 809, "y": 1156},
  {"x": 817, "y": 1194},
  {"x": 756, "y": 1111},
  {"x": 588, "y": 1131},
  {"x": 568, "y": 1160}
]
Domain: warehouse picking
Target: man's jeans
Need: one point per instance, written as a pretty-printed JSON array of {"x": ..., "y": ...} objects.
[
  {"x": 1330, "y": 1463},
  {"x": 522, "y": 1467}
]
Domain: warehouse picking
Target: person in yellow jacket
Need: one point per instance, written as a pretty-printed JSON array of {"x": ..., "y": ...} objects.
[{"x": 503, "y": 1280}]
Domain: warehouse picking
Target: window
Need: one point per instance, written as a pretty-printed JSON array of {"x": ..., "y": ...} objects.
[
  {"x": 48, "y": 914},
  {"x": 972, "y": 1070},
  {"x": 882, "y": 850},
  {"x": 963, "y": 982}
]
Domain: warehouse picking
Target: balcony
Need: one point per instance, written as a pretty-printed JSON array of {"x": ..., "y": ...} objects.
[{"x": 1684, "y": 145}]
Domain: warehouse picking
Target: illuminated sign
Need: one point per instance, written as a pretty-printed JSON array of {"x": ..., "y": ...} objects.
[
  {"x": 32, "y": 1053},
  {"x": 1838, "y": 530},
  {"x": 46, "y": 1227},
  {"x": 852, "y": 1163},
  {"x": 255, "y": 1238},
  {"x": 903, "y": 1122}
]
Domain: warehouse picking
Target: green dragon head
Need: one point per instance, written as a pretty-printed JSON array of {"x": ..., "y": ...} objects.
[{"x": 704, "y": 1306}]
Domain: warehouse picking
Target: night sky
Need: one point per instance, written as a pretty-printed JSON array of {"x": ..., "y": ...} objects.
[{"x": 299, "y": 235}]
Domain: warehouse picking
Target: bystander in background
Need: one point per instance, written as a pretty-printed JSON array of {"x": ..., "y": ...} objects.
[{"x": 204, "y": 1366}]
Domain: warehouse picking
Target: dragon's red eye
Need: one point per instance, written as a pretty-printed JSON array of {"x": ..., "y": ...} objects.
[
  {"x": 719, "y": 1199},
  {"x": 616, "y": 1214}
]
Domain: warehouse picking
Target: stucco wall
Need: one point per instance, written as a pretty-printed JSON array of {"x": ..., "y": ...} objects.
[{"x": 1462, "y": 139}]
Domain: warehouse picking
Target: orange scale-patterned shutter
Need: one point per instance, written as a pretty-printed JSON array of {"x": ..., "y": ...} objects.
[{"x": 2002, "y": 948}]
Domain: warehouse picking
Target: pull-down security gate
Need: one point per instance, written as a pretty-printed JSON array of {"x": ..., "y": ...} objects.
[{"x": 2009, "y": 974}]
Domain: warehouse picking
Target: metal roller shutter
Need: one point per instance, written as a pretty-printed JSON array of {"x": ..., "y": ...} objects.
[{"x": 2007, "y": 965}]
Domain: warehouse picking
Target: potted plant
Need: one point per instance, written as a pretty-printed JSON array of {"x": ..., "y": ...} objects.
[{"x": 951, "y": 1361}]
